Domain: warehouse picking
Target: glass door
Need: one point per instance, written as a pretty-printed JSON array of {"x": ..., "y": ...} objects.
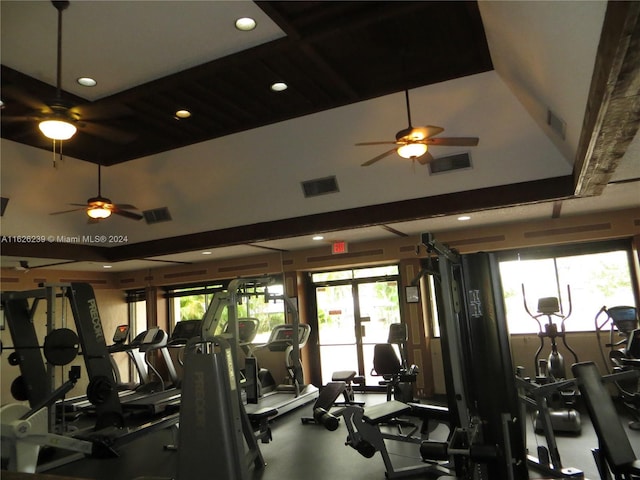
[
  {"x": 378, "y": 308},
  {"x": 336, "y": 330},
  {"x": 353, "y": 316}
]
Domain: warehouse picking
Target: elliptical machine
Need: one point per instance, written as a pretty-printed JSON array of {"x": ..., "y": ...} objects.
[
  {"x": 624, "y": 354},
  {"x": 552, "y": 370}
]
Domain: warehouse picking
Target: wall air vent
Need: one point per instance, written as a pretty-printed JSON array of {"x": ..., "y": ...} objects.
[
  {"x": 157, "y": 215},
  {"x": 459, "y": 161},
  {"x": 320, "y": 186},
  {"x": 556, "y": 123}
]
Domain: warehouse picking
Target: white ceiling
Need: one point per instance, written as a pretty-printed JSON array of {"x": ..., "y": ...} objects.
[{"x": 543, "y": 54}]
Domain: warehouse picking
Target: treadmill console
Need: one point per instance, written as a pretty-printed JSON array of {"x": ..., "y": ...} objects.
[
  {"x": 121, "y": 335},
  {"x": 282, "y": 336},
  {"x": 185, "y": 331}
]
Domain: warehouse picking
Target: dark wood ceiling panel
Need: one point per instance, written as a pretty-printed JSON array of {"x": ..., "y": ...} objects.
[{"x": 335, "y": 53}]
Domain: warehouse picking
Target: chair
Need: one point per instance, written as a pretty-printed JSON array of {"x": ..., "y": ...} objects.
[
  {"x": 386, "y": 364},
  {"x": 614, "y": 453}
]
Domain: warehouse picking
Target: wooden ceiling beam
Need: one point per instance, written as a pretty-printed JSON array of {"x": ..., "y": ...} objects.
[
  {"x": 375, "y": 215},
  {"x": 612, "y": 116}
]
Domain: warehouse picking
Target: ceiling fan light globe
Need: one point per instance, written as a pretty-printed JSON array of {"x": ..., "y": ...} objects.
[
  {"x": 57, "y": 129},
  {"x": 99, "y": 212},
  {"x": 412, "y": 150}
]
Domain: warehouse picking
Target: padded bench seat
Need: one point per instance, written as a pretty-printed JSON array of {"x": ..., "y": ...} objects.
[
  {"x": 429, "y": 412},
  {"x": 384, "y": 412}
]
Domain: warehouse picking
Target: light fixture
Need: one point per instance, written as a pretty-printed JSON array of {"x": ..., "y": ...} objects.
[
  {"x": 464, "y": 218},
  {"x": 207, "y": 252},
  {"x": 107, "y": 266},
  {"x": 99, "y": 208},
  {"x": 86, "y": 81},
  {"x": 412, "y": 150},
  {"x": 57, "y": 129},
  {"x": 182, "y": 114},
  {"x": 279, "y": 86},
  {"x": 318, "y": 238},
  {"x": 245, "y": 24}
]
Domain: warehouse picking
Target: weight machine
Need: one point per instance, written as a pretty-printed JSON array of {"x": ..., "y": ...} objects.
[
  {"x": 36, "y": 379},
  {"x": 487, "y": 440},
  {"x": 216, "y": 435}
]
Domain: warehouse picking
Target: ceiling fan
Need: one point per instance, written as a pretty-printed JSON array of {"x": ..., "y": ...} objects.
[
  {"x": 99, "y": 207},
  {"x": 412, "y": 142},
  {"x": 59, "y": 119}
]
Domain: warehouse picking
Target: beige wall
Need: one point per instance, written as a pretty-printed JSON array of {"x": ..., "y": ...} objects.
[{"x": 110, "y": 287}]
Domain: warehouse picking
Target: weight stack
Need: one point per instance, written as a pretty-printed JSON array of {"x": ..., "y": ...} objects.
[{"x": 492, "y": 368}]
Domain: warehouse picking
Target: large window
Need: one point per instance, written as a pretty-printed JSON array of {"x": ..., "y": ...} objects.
[
  {"x": 191, "y": 303},
  {"x": 584, "y": 279}
]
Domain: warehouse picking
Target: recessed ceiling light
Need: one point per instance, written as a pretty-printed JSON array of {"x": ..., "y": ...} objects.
[
  {"x": 87, "y": 82},
  {"x": 206, "y": 252},
  {"x": 107, "y": 266},
  {"x": 464, "y": 218},
  {"x": 279, "y": 86},
  {"x": 182, "y": 114},
  {"x": 245, "y": 24},
  {"x": 318, "y": 237}
]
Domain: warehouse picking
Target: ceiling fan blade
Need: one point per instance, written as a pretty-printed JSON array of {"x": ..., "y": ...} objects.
[
  {"x": 20, "y": 96},
  {"x": 20, "y": 118},
  {"x": 379, "y": 157},
  {"x": 101, "y": 111},
  {"x": 108, "y": 133},
  {"x": 424, "y": 159},
  {"x": 69, "y": 211},
  {"x": 376, "y": 143},
  {"x": 126, "y": 214},
  {"x": 453, "y": 141},
  {"x": 125, "y": 206},
  {"x": 427, "y": 131}
]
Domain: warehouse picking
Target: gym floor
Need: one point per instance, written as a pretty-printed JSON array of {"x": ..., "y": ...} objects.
[{"x": 310, "y": 452}]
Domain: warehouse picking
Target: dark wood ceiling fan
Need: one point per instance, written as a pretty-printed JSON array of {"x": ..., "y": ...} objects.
[
  {"x": 413, "y": 142},
  {"x": 20, "y": 105},
  {"x": 99, "y": 207}
]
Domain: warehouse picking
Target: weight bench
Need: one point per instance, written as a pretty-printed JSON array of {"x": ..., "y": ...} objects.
[
  {"x": 363, "y": 425},
  {"x": 349, "y": 377},
  {"x": 614, "y": 452},
  {"x": 327, "y": 399}
]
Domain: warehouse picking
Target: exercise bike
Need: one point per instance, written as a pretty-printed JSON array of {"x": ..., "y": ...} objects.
[{"x": 551, "y": 372}]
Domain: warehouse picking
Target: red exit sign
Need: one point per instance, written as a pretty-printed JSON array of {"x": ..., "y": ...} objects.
[{"x": 339, "y": 247}]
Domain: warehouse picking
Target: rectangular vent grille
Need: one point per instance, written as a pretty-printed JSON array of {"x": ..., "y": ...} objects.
[
  {"x": 320, "y": 186},
  {"x": 459, "y": 161},
  {"x": 157, "y": 215},
  {"x": 556, "y": 123}
]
